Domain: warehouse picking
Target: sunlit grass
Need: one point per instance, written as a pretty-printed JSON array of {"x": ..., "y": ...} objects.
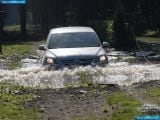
[
  {"x": 149, "y": 39},
  {"x": 119, "y": 106},
  {"x": 149, "y": 36},
  {"x": 11, "y": 28},
  {"x": 18, "y": 49},
  {"x": 12, "y": 101},
  {"x": 17, "y": 28},
  {"x": 126, "y": 107},
  {"x": 154, "y": 94}
]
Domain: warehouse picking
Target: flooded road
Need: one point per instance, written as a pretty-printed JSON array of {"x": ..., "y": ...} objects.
[{"x": 122, "y": 73}]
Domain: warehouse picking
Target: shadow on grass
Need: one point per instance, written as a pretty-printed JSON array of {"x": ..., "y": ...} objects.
[
  {"x": 149, "y": 33},
  {"x": 15, "y": 37},
  {"x": 154, "y": 35},
  {"x": 14, "y": 43}
]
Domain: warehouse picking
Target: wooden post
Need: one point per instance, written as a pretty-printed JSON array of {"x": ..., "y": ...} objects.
[{"x": 23, "y": 20}]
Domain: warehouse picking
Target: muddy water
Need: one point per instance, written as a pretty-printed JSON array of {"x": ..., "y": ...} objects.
[{"x": 122, "y": 73}]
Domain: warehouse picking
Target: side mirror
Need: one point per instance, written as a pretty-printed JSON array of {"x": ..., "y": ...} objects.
[
  {"x": 105, "y": 44},
  {"x": 42, "y": 47}
]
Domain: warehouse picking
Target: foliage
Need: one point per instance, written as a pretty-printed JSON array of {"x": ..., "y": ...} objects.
[
  {"x": 126, "y": 107},
  {"x": 12, "y": 100},
  {"x": 120, "y": 98},
  {"x": 15, "y": 28},
  {"x": 118, "y": 106},
  {"x": 15, "y": 52},
  {"x": 109, "y": 29},
  {"x": 13, "y": 64},
  {"x": 119, "y": 26},
  {"x": 84, "y": 77},
  {"x": 16, "y": 49},
  {"x": 100, "y": 28},
  {"x": 140, "y": 13},
  {"x": 154, "y": 94},
  {"x": 149, "y": 36}
]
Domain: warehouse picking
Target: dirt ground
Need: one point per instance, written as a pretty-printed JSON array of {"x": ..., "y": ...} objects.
[
  {"x": 84, "y": 103},
  {"x": 73, "y": 103}
]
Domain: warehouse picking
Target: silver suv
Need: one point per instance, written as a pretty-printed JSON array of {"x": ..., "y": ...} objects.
[{"x": 73, "y": 46}]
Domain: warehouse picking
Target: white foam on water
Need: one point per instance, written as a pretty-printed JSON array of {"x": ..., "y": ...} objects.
[{"x": 120, "y": 73}]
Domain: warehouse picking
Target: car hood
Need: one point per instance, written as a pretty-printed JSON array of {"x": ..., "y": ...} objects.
[{"x": 65, "y": 52}]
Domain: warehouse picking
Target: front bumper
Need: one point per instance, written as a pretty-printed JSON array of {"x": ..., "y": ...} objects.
[
  {"x": 72, "y": 66},
  {"x": 73, "y": 62}
]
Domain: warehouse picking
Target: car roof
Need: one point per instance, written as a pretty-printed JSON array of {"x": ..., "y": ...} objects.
[{"x": 70, "y": 30}]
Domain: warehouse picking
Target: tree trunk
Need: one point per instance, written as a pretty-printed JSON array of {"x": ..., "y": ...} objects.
[
  {"x": 23, "y": 20},
  {"x": 120, "y": 41},
  {"x": 1, "y": 32},
  {"x": 1, "y": 29}
]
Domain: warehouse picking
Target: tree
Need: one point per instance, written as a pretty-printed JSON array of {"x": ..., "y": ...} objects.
[
  {"x": 1, "y": 27},
  {"x": 119, "y": 26},
  {"x": 23, "y": 20},
  {"x": 48, "y": 14}
]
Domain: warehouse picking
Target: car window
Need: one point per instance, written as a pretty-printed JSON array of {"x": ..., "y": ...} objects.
[{"x": 73, "y": 40}]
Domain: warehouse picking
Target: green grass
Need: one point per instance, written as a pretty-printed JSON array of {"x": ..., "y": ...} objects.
[
  {"x": 154, "y": 94},
  {"x": 12, "y": 28},
  {"x": 85, "y": 78},
  {"x": 151, "y": 33},
  {"x": 132, "y": 60},
  {"x": 12, "y": 65},
  {"x": 120, "y": 107},
  {"x": 148, "y": 39},
  {"x": 17, "y": 28},
  {"x": 18, "y": 49},
  {"x": 126, "y": 107},
  {"x": 149, "y": 36},
  {"x": 12, "y": 102}
]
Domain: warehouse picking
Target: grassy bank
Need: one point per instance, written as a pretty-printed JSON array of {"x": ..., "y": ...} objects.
[
  {"x": 149, "y": 36},
  {"x": 117, "y": 106},
  {"x": 12, "y": 100},
  {"x": 126, "y": 107},
  {"x": 16, "y": 49},
  {"x": 110, "y": 102},
  {"x": 153, "y": 93}
]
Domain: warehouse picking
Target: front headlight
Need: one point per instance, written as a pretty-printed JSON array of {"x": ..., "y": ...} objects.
[
  {"x": 50, "y": 60},
  {"x": 102, "y": 58}
]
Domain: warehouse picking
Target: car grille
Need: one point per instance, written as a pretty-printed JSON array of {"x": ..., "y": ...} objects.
[{"x": 76, "y": 61}]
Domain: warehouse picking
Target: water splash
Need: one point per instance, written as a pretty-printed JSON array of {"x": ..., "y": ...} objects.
[{"x": 121, "y": 73}]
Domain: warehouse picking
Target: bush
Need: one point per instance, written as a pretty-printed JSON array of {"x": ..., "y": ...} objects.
[
  {"x": 124, "y": 38},
  {"x": 100, "y": 27},
  {"x": 109, "y": 30},
  {"x": 119, "y": 26},
  {"x": 104, "y": 29}
]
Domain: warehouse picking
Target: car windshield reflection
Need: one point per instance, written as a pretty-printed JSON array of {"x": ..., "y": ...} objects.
[{"x": 73, "y": 40}]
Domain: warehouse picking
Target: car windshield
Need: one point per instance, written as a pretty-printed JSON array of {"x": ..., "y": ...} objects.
[{"x": 73, "y": 40}]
